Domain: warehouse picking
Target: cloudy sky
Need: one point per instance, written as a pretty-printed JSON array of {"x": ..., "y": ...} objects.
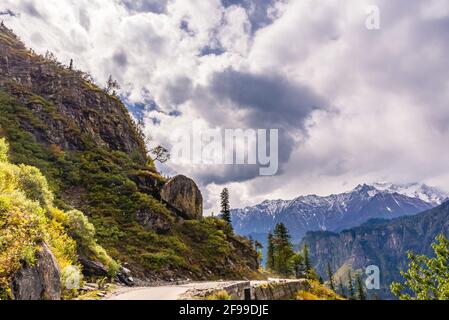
[{"x": 353, "y": 105}]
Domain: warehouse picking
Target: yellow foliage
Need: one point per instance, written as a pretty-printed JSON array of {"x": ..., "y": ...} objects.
[
  {"x": 318, "y": 291},
  {"x": 28, "y": 218},
  {"x": 220, "y": 295}
]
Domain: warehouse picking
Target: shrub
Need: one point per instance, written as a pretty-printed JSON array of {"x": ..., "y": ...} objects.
[
  {"x": 220, "y": 295},
  {"x": 82, "y": 230},
  {"x": 28, "y": 218},
  {"x": 317, "y": 291}
]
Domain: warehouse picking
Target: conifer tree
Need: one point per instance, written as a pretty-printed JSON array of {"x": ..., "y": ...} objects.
[
  {"x": 258, "y": 247},
  {"x": 330, "y": 274},
  {"x": 297, "y": 265},
  {"x": 351, "y": 286},
  {"x": 311, "y": 273},
  {"x": 270, "y": 252},
  {"x": 283, "y": 249},
  {"x": 225, "y": 206},
  {"x": 360, "y": 288},
  {"x": 342, "y": 288}
]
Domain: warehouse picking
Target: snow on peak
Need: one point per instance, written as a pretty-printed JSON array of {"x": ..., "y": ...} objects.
[{"x": 421, "y": 191}]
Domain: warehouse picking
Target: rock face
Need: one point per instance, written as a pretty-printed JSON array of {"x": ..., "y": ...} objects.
[
  {"x": 184, "y": 196},
  {"x": 42, "y": 281},
  {"x": 381, "y": 243},
  {"x": 89, "y": 114}
]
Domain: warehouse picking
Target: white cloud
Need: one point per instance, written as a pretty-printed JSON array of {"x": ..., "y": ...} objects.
[{"x": 386, "y": 91}]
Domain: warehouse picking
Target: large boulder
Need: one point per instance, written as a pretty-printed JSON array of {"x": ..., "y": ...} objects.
[
  {"x": 183, "y": 195},
  {"x": 41, "y": 281}
]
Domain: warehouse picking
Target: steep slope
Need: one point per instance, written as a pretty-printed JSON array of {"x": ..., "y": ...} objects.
[
  {"x": 88, "y": 147},
  {"x": 332, "y": 213},
  {"x": 381, "y": 243}
]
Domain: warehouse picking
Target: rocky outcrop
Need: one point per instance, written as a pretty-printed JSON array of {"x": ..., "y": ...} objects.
[
  {"x": 183, "y": 195},
  {"x": 41, "y": 281},
  {"x": 154, "y": 221},
  {"x": 49, "y": 90}
]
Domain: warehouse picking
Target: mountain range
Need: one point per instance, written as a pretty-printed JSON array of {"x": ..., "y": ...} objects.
[
  {"x": 337, "y": 212},
  {"x": 381, "y": 243}
]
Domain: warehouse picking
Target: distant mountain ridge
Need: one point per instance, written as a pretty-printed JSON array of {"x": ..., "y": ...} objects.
[
  {"x": 384, "y": 244},
  {"x": 339, "y": 211}
]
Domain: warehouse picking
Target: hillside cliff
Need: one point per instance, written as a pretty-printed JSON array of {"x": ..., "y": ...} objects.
[
  {"x": 381, "y": 243},
  {"x": 86, "y": 144}
]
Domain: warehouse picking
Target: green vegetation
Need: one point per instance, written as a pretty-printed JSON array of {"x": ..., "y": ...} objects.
[
  {"x": 113, "y": 188},
  {"x": 427, "y": 278},
  {"x": 98, "y": 182},
  {"x": 330, "y": 275},
  {"x": 281, "y": 258},
  {"x": 225, "y": 206},
  {"x": 361, "y": 295},
  {"x": 351, "y": 288},
  {"x": 318, "y": 292},
  {"x": 28, "y": 218},
  {"x": 220, "y": 295}
]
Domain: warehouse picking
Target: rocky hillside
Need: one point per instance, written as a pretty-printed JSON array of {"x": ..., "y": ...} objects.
[
  {"x": 336, "y": 212},
  {"x": 85, "y": 143},
  {"x": 381, "y": 243}
]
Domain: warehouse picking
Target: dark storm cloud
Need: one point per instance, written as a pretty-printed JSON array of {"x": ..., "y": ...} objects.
[
  {"x": 8, "y": 12},
  {"x": 179, "y": 90},
  {"x": 269, "y": 102},
  {"x": 84, "y": 19},
  {"x": 156, "y": 6},
  {"x": 30, "y": 9},
  {"x": 121, "y": 59},
  {"x": 257, "y": 11}
]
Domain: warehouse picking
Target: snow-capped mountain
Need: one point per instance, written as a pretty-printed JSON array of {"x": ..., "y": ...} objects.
[
  {"x": 337, "y": 212},
  {"x": 428, "y": 194}
]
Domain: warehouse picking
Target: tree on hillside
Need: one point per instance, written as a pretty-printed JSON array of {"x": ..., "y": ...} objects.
[
  {"x": 270, "y": 253},
  {"x": 341, "y": 288},
  {"x": 112, "y": 86},
  {"x": 360, "y": 288},
  {"x": 351, "y": 286},
  {"x": 283, "y": 249},
  {"x": 330, "y": 274},
  {"x": 305, "y": 254},
  {"x": 160, "y": 154},
  {"x": 427, "y": 278},
  {"x": 225, "y": 206},
  {"x": 297, "y": 264},
  {"x": 258, "y": 247}
]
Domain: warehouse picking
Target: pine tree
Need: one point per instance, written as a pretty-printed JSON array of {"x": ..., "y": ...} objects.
[
  {"x": 258, "y": 247},
  {"x": 283, "y": 249},
  {"x": 360, "y": 288},
  {"x": 297, "y": 265},
  {"x": 342, "y": 288},
  {"x": 225, "y": 206},
  {"x": 311, "y": 274},
  {"x": 351, "y": 286},
  {"x": 330, "y": 274},
  {"x": 270, "y": 253}
]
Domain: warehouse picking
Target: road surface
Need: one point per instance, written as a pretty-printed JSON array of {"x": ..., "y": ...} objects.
[{"x": 169, "y": 292}]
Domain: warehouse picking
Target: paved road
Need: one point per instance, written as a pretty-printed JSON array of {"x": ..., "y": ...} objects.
[{"x": 172, "y": 292}]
